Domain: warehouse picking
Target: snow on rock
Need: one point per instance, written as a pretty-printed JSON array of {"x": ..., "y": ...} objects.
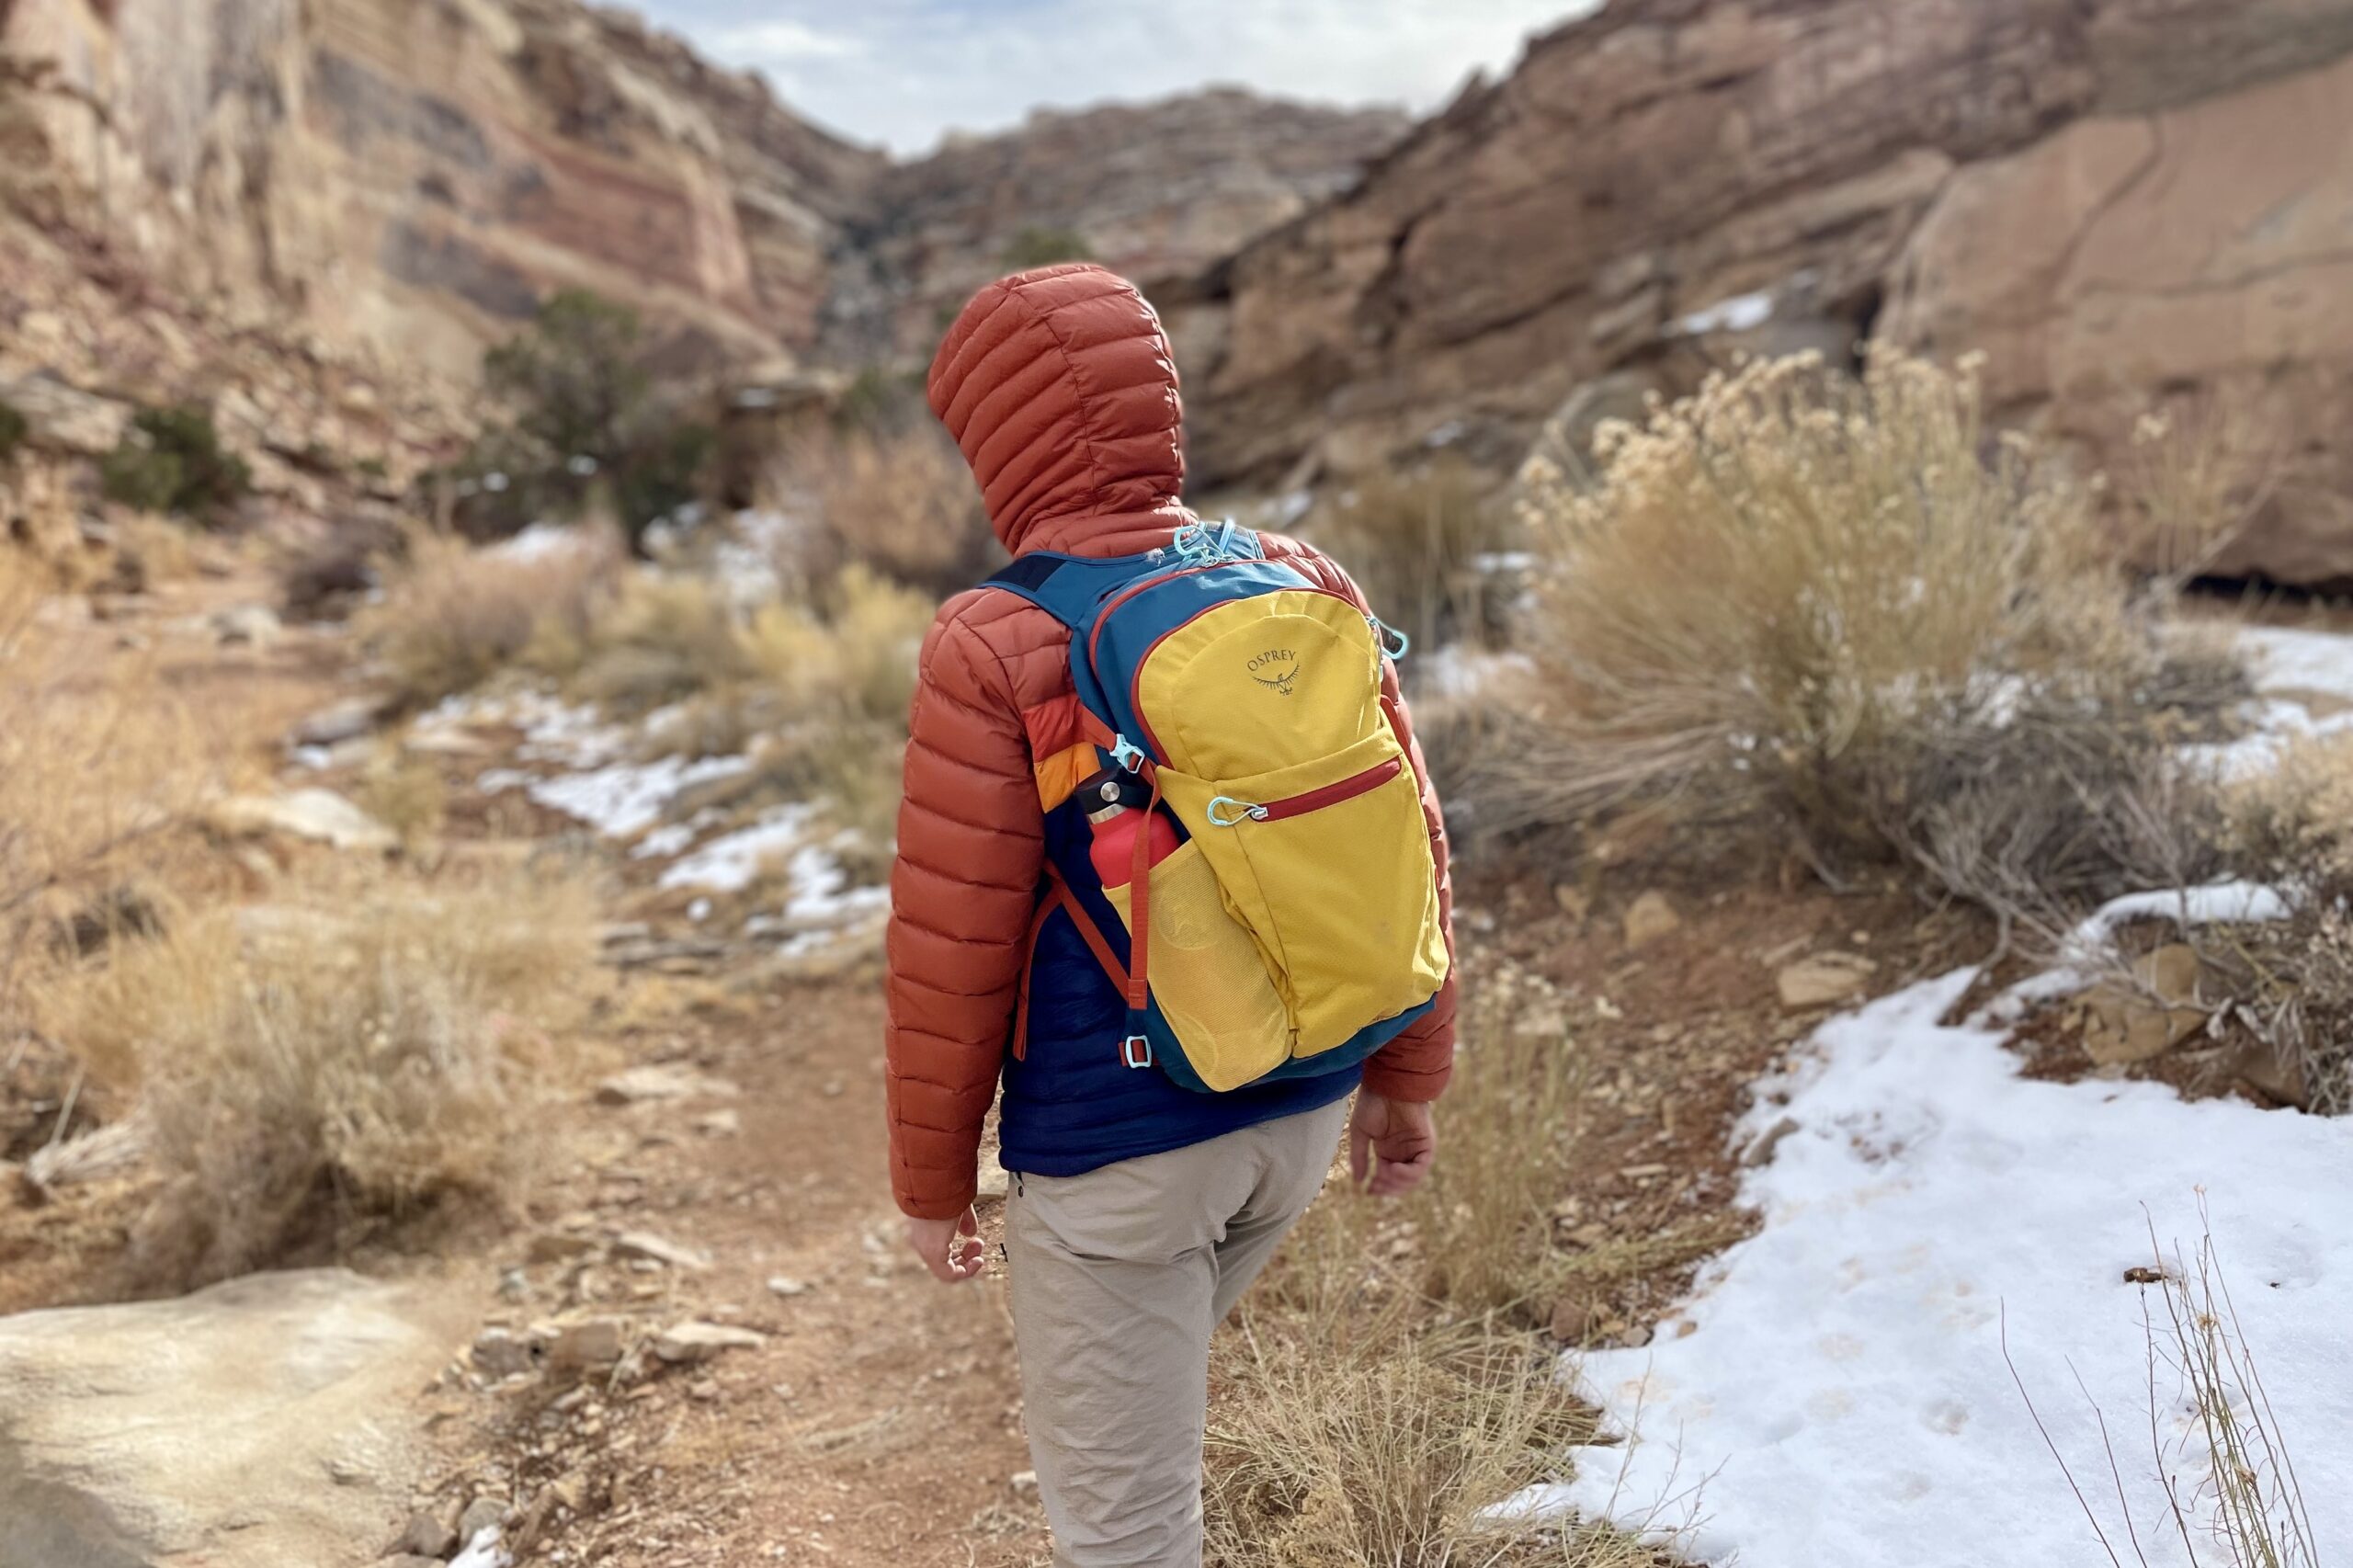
[
  {"x": 1742, "y": 312},
  {"x": 732, "y": 861},
  {"x": 482, "y": 1551},
  {"x": 1835, "y": 1389},
  {"x": 2216, "y": 903}
]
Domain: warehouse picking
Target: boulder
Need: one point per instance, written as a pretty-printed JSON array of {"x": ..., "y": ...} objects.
[
  {"x": 261, "y": 1424},
  {"x": 2158, "y": 1010},
  {"x": 1823, "y": 980},
  {"x": 60, "y": 418}
]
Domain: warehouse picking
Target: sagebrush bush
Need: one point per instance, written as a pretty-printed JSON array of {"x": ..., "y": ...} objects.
[
  {"x": 1842, "y": 607},
  {"x": 452, "y": 616},
  {"x": 171, "y": 459},
  {"x": 305, "y": 1070},
  {"x": 14, "y": 428}
]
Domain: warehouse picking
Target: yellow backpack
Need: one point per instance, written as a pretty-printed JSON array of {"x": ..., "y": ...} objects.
[{"x": 1295, "y": 927}]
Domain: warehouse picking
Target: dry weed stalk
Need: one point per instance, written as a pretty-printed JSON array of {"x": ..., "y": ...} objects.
[
  {"x": 2254, "y": 1504},
  {"x": 2228, "y": 1478},
  {"x": 899, "y": 501}
]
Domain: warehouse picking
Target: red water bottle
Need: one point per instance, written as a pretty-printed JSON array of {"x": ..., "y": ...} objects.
[{"x": 1116, "y": 821}]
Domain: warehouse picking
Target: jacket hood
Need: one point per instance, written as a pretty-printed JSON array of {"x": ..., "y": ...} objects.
[{"x": 1059, "y": 386}]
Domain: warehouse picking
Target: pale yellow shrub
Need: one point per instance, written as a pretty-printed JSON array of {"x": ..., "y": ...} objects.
[
  {"x": 307, "y": 1070},
  {"x": 453, "y": 616},
  {"x": 1843, "y": 606},
  {"x": 1424, "y": 545}
]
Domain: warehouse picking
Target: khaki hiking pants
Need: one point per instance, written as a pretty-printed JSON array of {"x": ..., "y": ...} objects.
[{"x": 1118, "y": 1278}]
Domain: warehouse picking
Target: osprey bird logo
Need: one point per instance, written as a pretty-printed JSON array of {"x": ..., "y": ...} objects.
[{"x": 1276, "y": 669}]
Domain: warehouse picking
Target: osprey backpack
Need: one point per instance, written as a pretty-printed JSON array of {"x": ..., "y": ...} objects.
[{"x": 1294, "y": 929}]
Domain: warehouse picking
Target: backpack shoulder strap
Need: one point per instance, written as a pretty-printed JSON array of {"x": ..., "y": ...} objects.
[{"x": 1067, "y": 587}]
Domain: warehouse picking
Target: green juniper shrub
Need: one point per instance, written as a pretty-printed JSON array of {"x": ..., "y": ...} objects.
[
  {"x": 172, "y": 460},
  {"x": 590, "y": 428}
]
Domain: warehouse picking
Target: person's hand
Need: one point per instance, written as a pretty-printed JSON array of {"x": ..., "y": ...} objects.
[
  {"x": 1391, "y": 1144},
  {"x": 951, "y": 1249}
]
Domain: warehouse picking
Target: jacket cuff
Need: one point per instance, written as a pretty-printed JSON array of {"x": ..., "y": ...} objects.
[{"x": 915, "y": 1208}]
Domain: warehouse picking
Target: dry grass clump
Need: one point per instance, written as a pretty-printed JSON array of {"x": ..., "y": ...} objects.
[
  {"x": 658, "y": 639},
  {"x": 1838, "y": 605},
  {"x": 305, "y": 1071},
  {"x": 1484, "y": 1222},
  {"x": 1387, "y": 1451},
  {"x": 1383, "y": 1391},
  {"x": 897, "y": 499},
  {"x": 1427, "y": 547},
  {"x": 452, "y": 616},
  {"x": 97, "y": 763}
]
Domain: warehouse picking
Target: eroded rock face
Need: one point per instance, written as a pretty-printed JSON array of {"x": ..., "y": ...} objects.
[
  {"x": 262, "y": 1424},
  {"x": 414, "y": 173},
  {"x": 411, "y": 177},
  {"x": 1155, "y": 191},
  {"x": 2120, "y": 199}
]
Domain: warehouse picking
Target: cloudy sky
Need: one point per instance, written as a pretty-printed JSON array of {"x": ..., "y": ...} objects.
[{"x": 901, "y": 72}]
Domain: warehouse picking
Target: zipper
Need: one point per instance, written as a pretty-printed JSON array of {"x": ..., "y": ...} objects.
[{"x": 1347, "y": 788}]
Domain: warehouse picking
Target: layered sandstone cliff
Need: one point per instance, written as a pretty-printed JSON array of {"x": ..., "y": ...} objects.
[
  {"x": 2121, "y": 201},
  {"x": 1156, "y": 190}
]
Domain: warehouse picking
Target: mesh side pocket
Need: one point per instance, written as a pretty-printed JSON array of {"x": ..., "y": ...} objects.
[{"x": 1207, "y": 975}]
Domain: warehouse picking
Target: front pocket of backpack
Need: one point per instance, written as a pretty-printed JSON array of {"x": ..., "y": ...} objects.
[
  {"x": 1328, "y": 862},
  {"x": 1207, "y": 975}
]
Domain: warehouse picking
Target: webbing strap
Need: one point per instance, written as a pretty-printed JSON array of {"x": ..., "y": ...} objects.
[{"x": 1059, "y": 896}]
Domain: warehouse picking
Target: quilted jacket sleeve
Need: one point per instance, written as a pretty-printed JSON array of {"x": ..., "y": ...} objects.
[
  {"x": 962, "y": 890},
  {"x": 1417, "y": 1063}
]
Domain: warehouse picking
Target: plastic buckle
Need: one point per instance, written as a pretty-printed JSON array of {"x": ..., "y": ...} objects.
[
  {"x": 1136, "y": 1051},
  {"x": 1126, "y": 753}
]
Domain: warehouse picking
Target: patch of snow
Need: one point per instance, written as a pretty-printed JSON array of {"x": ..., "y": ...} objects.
[
  {"x": 699, "y": 911},
  {"x": 1294, "y": 505},
  {"x": 540, "y": 541},
  {"x": 626, "y": 798},
  {"x": 2287, "y": 659},
  {"x": 1835, "y": 1389},
  {"x": 482, "y": 1551},
  {"x": 1742, "y": 312},
  {"x": 730, "y": 862},
  {"x": 1496, "y": 562},
  {"x": 316, "y": 758},
  {"x": 668, "y": 839}
]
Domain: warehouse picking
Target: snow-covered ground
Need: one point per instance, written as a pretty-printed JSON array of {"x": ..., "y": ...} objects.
[
  {"x": 572, "y": 761},
  {"x": 1835, "y": 1389}
]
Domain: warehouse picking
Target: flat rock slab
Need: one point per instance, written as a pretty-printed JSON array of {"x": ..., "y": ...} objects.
[{"x": 266, "y": 1423}]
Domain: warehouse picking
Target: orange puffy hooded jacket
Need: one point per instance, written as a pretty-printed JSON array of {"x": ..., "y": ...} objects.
[{"x": 1059, "y": 386}]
